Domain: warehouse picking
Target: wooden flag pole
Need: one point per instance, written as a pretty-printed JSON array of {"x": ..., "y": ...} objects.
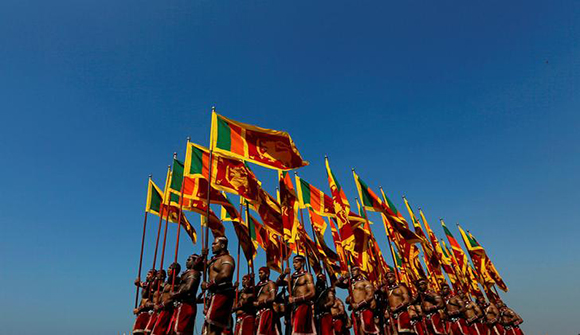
[
  {"x": 389, "y": 239},
  {"x": 205, "y": 247},
  {"x": 141, "y": 256},
  {"x": 180, "y": 216},
  {"x": 251, "y": 261},
  {"x": 159, "y": 228},
  {"x": 163, "y": 249}
]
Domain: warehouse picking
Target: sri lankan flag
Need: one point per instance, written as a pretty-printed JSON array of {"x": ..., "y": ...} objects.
[
  {"x": 460, "y": 256},
  {"x": 488, "y": 268},
  {"x": 341, "y": 208},
  {"x": 398, "y": 222},
  {"x": 369, "y": 200},
  {"x": 311, "y": 197},
  {"x": 155, "y": 205},
  {"x": 228, "y": 174},
  {"x": 269, "y": 148},
  {"x": 288, "y": 204}
]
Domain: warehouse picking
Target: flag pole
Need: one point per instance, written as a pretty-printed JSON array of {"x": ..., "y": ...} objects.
[
  {"x": 238, "y": 260},
  {"x": 251, "y": 261},
  {"x": 163, "y": 249},
  {"x": 141, "y": 256},
  {"x": 160, "y": 222},
  {"x": 205, "y": 247},
  {"x": 180, "y": 216},
  {"x": 386, "y": 222}
]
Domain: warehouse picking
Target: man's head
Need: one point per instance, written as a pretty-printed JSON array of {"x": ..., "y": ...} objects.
[
  {"x": 500, "y": 304},
  {"x": 192, "y": 260},
  {"x": 321, "y": 276},
  {"x": 264, "y": 273},
  {"x": 219, "y": 245},
  {"x": 422, "y": 285},
  {"x": 174, "y": 270},
  {"x": 355, "y": 271},
  {"x": 391, "y": 278},
  {"x": 461, "y": 294},
  {"x": 481, "y": 300},
  {"x": 299, "y": 262},
  {"x": 445, "y": 290},
  {"x": 247, "y": 280},
  {"x": 150, "y": 275},
  {"x": 161, "y": 275}
]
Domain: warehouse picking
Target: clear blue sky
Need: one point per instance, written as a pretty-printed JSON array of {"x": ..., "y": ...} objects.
[{"x": 469, "y": 109}]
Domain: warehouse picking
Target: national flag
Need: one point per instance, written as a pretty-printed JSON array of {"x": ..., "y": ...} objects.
[
  {"x": 370, "y": 201},
  {"x": 269, "y": 148},
  {"x": 227, "y": 174},
  {"x": 488, "y": 266},
  {"x": 460, "y": 256},
  {"x": 288, "y": 204},
  {"x": 338, "y": 246},
  {"x": 317, "y": 221},
  {"x": 155, "y": 205},
  {"x": 397, "y": 220}
]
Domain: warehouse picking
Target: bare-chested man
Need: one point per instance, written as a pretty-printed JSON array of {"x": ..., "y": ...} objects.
[
  {"x": 510, "y": 320},
  {"x": 454, "y": 309},
  {"x": 301, "y": 295},
  {"x": 399, "y": 300},
  {"x": 491, "y": 313},
  {"x": 474, "y": 317},
  {"x": 184, "y": 297},
  {"x": 323, "y": 305},
  {"x": 265, "y": 319},
  {"x": 362, "y": 300},
  {"x": 340, "y": 320},
  {"x": 432, "y": 306},
  {"x": 218, "y": 309},
  {"x": 142, "y": 311},
  {"x": 165, "y": 306},
  {"x": 244, "y": 309},
  {"x": 156, "y": 289}
]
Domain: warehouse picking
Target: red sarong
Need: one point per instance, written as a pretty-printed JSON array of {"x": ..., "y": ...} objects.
[
  {"x": 403, "y": 322},
  {"x": 479, "y": 328},
  {"x": 339, "y": 326},
  {"x": 162, "y": 324},
  {"x": 244, "y": 324},
  {"x": 183, "y": 319},
  {"x": 419, "y": 327},
  {"x": 513, "y": 331},
  {"x": 220, "y": 310},
  {"x": 141, "y": 322},
  {"x": 458, "y": 327},
  {"x": 434, "y": 324},
  {"x": 365, "y": 320},
  {"x": 497, "y": 329},
  {"x": 326, "y": 326},
  {"x": 303, "y": 320},
  {"x": 151, "y": 323},
  {"x": 265, "y": 323}
]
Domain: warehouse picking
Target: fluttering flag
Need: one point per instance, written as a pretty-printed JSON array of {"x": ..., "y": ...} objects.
[
  {"x": 155, "y": 205},
  {"x": 269, "y": 148},
  {"x": 317, "y": 221},
  {"x": 288, "y": 205},
  {"x": 227, "y": 174},
  {"x": 430, "y": 256},
  {"x": 341, "y": 208},
  {"x": 460, "y": 256},
  {"x": 480, "y": 259}
]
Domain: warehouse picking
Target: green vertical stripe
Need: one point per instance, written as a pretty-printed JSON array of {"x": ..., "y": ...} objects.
[
  {"x": 196, "y": 161},
  {"x": 224, "y": 139},
  {"x": 366, "y": 196},
  {"x": 177, "y": 176},
  {"x": 252, "y": 228},
  {"x": 447, "y": 232},
  {"x": 156, "y": 200},
  {"x": 392, "y": 205},
  {"x": 306, "y": 194}
]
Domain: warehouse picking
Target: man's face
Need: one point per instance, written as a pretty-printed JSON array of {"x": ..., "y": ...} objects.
[
  {"x": 355, "y": 272},
  {"x": 171, "y": 271},
  {"x": 391, "y": 279},
  {"x": 189, "y": 263},
  {"x": 445, "y": 290},
  {"x": 481, "y": 300},
  {"x": 263, "y": 275},
  {"x": 216, "y": 246},
  {"x": 298, "y": 263},
  {"x": 150, "y": 275},
  {"x": 245, "y": 281},
  {"x": 422, "y": 285},
  {"x": 161, "y": 276}
]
